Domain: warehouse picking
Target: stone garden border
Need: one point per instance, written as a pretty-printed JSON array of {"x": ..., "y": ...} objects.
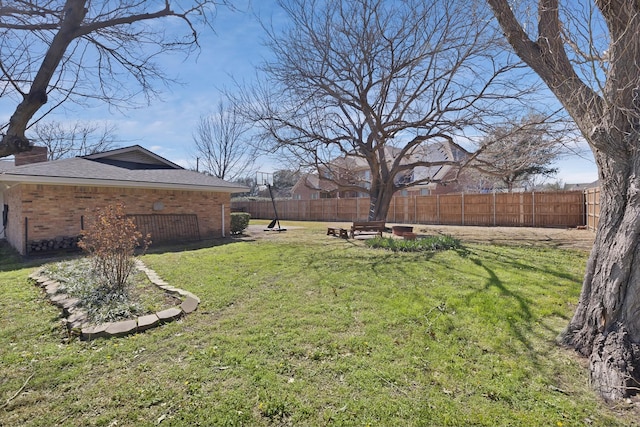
[{"x": 76, "y": 318}]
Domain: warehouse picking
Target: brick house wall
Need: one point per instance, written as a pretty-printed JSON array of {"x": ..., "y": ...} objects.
[
  {"x": 13, "y": 231},
  {"x": 57, "y": 210},
  {"x": 302, "y": 192}
]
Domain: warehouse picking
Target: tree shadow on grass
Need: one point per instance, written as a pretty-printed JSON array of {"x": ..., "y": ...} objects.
[
  {"x": 169, "y": 247},
  {"x": 517, "y": 324},
  {"x": 11, "y": 260},
  {"x": 519, "y": 264},
  {"x": 523, "y": 324}
]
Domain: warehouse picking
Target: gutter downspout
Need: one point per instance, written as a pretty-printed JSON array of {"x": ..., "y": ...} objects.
[{"x": 223, "y": 221}]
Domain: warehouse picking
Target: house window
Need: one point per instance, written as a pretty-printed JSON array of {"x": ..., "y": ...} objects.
[
  {"x": 314, "y": 196},
  {"x": 424, "y": 191},
  {"x": 404, "y": 193}
]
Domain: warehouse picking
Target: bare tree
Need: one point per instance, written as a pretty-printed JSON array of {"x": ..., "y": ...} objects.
[
  {"x": 223, "y": 145},
  {"x": 74, "y": 139},
  {"x": 53, "y": 52},
  {"x": 516, "y": 153},
  {"x": 379, "y": 81},
  {"x": 283, "y": 182},
  {"x": 587, "y": 54}
]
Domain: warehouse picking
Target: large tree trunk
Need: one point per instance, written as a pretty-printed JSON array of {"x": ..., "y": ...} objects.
[
  {"x": 380, "y": 196},
  {"x": 606, "y": 324}
]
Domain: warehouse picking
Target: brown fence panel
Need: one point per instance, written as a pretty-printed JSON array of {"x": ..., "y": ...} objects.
[
  {"x": 302, "y": 209},
  {"x": 451, "y": 209},
  {"x": 514, "y": 210},
  {"x": 363, "y": 209},
  {"x": 347, "y": 210},
  {"x": 565, "y": 209},
  {"x": 427, "y": 210},
  {"x": 402, "y": 210},
  {"x": 315, "y": 210},
  {"x": 478, "y": 209},
  {"x": 592, "y": 196}
]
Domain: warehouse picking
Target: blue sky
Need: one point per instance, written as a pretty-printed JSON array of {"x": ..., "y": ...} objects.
[{"x": 166, "y": 126}]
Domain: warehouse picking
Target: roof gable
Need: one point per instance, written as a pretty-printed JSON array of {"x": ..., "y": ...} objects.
[{"x": 134, "y": 157}]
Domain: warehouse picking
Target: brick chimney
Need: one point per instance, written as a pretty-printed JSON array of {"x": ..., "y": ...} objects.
[{"x": 36, "y": 155}]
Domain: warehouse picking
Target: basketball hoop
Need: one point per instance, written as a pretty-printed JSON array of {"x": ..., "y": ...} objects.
[{"x": 264, "y": 180}]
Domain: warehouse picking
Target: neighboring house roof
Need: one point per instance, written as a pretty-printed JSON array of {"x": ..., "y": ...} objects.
[
  {"x": 436, "y": 152},
  {"x": 5, "y": 164},
  {"x": 582, "y": 186},
  {"x": 313, "y": 182},
  {"x": 351, "y": 163},
  {"x": 433, "y": 153},
  {"x": 126, "y": 167}
]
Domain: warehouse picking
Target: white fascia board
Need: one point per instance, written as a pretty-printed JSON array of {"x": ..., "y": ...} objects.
[{"x": 30, "y": 179}]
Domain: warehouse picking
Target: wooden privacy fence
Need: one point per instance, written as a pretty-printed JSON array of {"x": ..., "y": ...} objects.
[{"x": 558, "y": 209}]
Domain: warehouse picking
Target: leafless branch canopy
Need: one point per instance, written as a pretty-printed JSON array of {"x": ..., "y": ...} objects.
[
  {"x": 521, "y": 150},
  {"x": 73, "y": 139},
  {"x": 222, "y": 144},
  {"x": 52, "y": 52},
  {"x": 353, "y": 78}
]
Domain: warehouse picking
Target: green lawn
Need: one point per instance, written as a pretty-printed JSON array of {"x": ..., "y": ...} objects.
[{"x": 304, "y": 329}]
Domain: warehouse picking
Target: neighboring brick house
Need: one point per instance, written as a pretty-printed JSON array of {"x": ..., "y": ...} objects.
[
  {"x": 352, "y": 170},
  {"x": 52, "y": 201}
]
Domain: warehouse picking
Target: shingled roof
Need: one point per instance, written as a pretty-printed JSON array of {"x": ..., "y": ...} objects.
[{"x": 133, "y": 167}]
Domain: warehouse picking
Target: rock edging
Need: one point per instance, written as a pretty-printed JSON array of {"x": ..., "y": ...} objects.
[{"x": 77, "y": 322}]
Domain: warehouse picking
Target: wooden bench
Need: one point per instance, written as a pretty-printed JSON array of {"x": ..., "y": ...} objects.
[
  {"x": 377, "y": 227},
  {"x": 337, "y": 231}
]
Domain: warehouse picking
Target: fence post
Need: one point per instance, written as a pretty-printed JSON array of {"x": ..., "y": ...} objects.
[
  {"x": 438, "y": 207},
  {"x": 395, "y": 202},
  {"x": 223, "y": 221},
  {"x": 462, "y": 207},
  {"x": 494, "y": 208},
  {"x": 533, "y": 206},
  {"x": 26, "y": 235}
]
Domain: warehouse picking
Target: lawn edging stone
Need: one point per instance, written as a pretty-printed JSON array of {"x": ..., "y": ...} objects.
[{"x": 76, "y": 318}]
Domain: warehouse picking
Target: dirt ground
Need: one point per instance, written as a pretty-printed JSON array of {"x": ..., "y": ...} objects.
[{"x": 566, "y": 238}]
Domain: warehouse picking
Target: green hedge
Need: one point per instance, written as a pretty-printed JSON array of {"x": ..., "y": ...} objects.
[{"x": 239, "y": 222}]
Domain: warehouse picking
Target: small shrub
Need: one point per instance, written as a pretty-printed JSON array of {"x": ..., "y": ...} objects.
[
  {"x": 111, "y": 241},
  {"x": 428, "y": 243},
  {"x": 239, "y": 222}
]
